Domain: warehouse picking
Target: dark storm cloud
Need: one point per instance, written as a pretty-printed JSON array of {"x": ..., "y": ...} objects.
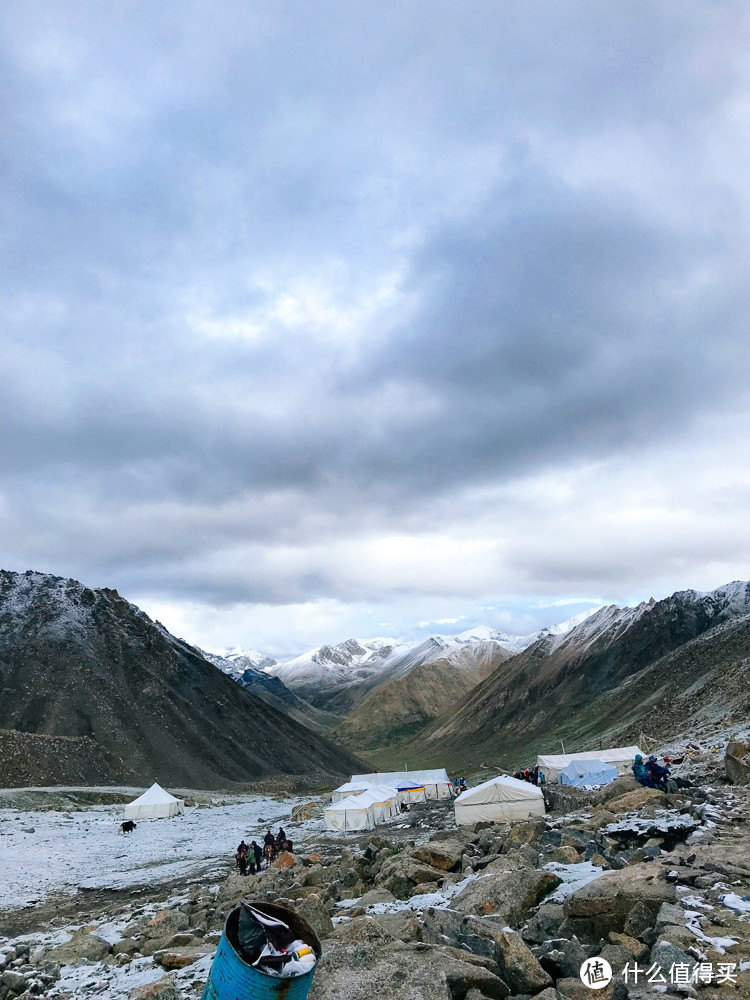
[{"x": 175, "y": 171}]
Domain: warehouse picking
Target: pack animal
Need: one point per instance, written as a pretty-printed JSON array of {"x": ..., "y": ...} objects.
[{"x": 127, "y": 827}]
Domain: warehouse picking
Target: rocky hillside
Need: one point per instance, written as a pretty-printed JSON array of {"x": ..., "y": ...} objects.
[
  {"x": 652, "y": 668},
  {"x": 78, "y": 662},
  {"x": 249, "y": 671},
  {"x": 400, "y": 706}
]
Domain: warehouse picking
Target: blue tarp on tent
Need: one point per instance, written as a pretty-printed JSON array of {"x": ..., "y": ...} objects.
[{"x": 587, "y": 772}]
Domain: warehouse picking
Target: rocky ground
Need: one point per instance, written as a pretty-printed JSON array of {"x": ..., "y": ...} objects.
[{"x": 424, "y": 911}]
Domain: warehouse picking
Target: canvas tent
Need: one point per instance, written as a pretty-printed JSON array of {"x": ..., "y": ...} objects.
[
  {"x": 413, "y": 786},
  {"x": 355, "y": 812},
  {"x": 620, "y": 757},
  {"x": 348, "y": 788},
  {"x": 499, "y": 800},
  {"x": 384, "y": 802},
  {"x": 582, "y": 773},
  {"x": 155, "y": 803}
]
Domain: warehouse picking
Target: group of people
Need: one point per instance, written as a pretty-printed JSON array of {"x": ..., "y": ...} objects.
[
  {"x": 533, "y": 775},
  {"x": 650, "y": 773},
  {"x": 249, "y": 857},
  {"x": 459, "y": 785}
]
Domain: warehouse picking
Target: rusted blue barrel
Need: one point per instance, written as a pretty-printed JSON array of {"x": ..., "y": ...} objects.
[{"x": 231, "y": 978}]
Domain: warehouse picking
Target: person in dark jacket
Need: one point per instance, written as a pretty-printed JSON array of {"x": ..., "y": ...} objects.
[
  {"x": 640, "y": 772},
  {"x": 658, "y": 774},
  {"x": 268, "y": 839},
  {"x": 257, "y": 854}
]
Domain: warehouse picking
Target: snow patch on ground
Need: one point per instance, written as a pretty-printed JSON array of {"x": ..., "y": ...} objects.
[
  {"x": 84, "y": 849},
  {"x": 573, "y": 877}
]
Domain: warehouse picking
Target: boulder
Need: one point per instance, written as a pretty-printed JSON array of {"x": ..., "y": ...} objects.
[
  {"x": 562, "y": 957},
  {"x": 284, "y": 860},
  {"x": 14, "y": 981},
  {"x": 401, "y": 926},
  {"x": 509, "y": 895},
  {"x": 444, "y": 855},
  {"x": 666, "y": 954},
  {"x": 518, "y": 967},
  {"x": 164, "y": 989},
  {"x": 82, "y": 945},
  {"x": 637, "y": 949},
  {"x": 604, "y": 905},
  {"x": 602, "y": 817},
  {"x": 316, "y": 914},
  {"x": 308, "y": 810},
  {"x": 573, "y": 837},
  {"x": 524, "y": 833},
  {"x": 737, "y": 763},
  {"x": 545, "y": 923},
  {"x": 376, "y": 896},
  {"x": 620, "y": 786},
  {"x": 365, "y": 970},
  {"x": 402, "y": 872},
  {"x": 564, "y": 855},
  {"x": 669, "y": 913},
  {"x": 575, "y": 989},
  {"x": 636, "y": 799},
  {"x": 168, "y": 922},
  {"x": 178, "y": 958}
]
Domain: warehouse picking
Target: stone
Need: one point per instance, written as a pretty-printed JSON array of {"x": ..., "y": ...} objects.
[
  {"x": 563, "y": 855},
  {"x": 636, "y": 799},
  {"x": 377, "y": 896},
  {"x": 620, "y": 786},
  {"x": 573, "y": 837},
  {"x": 677, "y": 934},
  {"x": 401, "y": 926},
  {"x": 402, "y": 872},
  {"x": 545, "y": 923},
  {"x": 125, "y": 946},
  {"x": 444, "y": 855},
  {"x": 285, "y": 860},
  {"x": 604, "y": 905},
  {"x": 666, "y": 954},
  {"x": 82, "y": 945},
  {"x": 314, "y": 911},
  {"x": 418, "y": 971},
  {"x": 15, "y": 982},
  {"x": 509, "y": 895},
  {"x": 574, "y": 989},
  {"x": 601, "y": 818},
  {"x": 562, "y": 957},
  {"x": 737, "y": 763},
  {"x": 168, "y": 922},
  {"x": 518, "y": 967},
  {"x": 551, "y": 838},
  {"x": 178, "y": 958},
  {"x": 163, "y": 989},
  {"x": 640, "y": 919},
  {"x": 637, "y": 949},
  {"x": 669, "y": 913},
  {"x": 617, "y": 957},
  {"x": 524, "y": 833}
]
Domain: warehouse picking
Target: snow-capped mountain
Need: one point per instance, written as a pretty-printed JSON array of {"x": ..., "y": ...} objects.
[
  {"x": 355, "y": 661},
  {"x": 235, "y": 661}
]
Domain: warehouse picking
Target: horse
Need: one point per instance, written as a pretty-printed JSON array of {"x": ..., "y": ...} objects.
[
  {"x": 127, "y": 827},
  {"x": 269, "y": 853}
]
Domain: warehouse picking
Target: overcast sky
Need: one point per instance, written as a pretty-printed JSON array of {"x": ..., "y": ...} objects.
[{"x": 332, "y": 319}]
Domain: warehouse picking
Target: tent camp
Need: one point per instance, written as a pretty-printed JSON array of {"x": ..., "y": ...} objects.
[
  {"x": 154, "y": 804},
  {"x": 620, "y": 757},
  {"x": 587, "y": 773},
  {"x": 355, "y": 812},
  {"x": 499, "y": 800},
  {"x": 413, "y": 786}
]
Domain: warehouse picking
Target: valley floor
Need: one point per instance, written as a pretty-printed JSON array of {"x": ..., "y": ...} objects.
[{"x": 416, "y": 909}]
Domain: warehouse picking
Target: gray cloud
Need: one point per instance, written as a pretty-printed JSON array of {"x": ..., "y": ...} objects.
[{"x": 283, "y": 278}]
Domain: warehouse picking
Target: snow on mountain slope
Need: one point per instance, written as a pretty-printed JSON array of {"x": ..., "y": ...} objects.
[
  {"x": 356, "y": 661},
  {"x": 236, "y": 661}
]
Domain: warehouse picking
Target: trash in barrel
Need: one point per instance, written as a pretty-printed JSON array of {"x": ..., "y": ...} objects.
[{"x": 266, "y": 952}]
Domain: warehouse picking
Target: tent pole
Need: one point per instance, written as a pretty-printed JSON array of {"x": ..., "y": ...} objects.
[{"x": 563, "y": 746}]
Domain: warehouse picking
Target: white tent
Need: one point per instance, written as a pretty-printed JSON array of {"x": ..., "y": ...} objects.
[
  {"x": 620, "y": 757},
  {"x": 499, "y": 800},
  {"x": 348, "y": 788},
  {"x": 154, "y": 804},
  {"x": 435, "y": 782},
  {"x": 355, "y": 812},
  {"x": 384, "y": 801}
]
